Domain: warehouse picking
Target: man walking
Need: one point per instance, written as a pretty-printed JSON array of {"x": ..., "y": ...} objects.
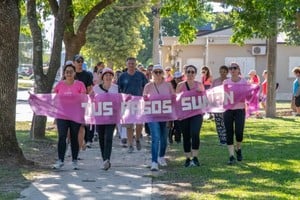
[{"x": 132, "y": 82}]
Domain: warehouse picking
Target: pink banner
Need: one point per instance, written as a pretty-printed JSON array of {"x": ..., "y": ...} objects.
[{"x": 124, "y": 109}]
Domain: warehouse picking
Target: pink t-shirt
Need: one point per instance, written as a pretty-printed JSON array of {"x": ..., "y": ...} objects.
[
  {"x": 239, "y": 105},
  {"x": 162, "y": 88},
  {"x": 196, "y": 86},
  {"x": 77, "y": 87}
]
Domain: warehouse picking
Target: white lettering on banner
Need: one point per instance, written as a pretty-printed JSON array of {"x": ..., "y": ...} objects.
[
  {"x": 104, "y": 109},
  {"x": 194, "y": 103},
  {"x": 211, "y": 99},
  {"x": 146, "y": 107},
  {"x": 229, "y": 97},
  {"x": 157, "y": 107}
]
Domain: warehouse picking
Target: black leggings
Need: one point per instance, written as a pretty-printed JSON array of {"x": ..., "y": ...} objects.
[
  {"x": 190, "y": 128},
  {"x": 105, "y": 133},
  {"x": 62, "y": 127},
  {"x": 234, "y": 121}
]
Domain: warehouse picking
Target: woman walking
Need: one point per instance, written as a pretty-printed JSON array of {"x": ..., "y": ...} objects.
[
  {"x": 68, "y": 86},
  {"x": 219, "y": 121},
  {"x": 234, "y": 118},
  {"x": 106, "y": 131},
  {"x": 158, "y": 130},
  {"x": 191, "y": 126}
]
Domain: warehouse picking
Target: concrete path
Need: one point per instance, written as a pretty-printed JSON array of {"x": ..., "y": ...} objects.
[{"x": 129, "y": 178}]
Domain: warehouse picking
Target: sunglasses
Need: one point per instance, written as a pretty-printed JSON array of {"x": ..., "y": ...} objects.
[
  {"x": 190, "y": 72},
  {"x": 79, "y": 61},
  {"x": 157, "y": 72},
  {"x": 232, "y": 68},
  {"x": 203, "y": 72}
]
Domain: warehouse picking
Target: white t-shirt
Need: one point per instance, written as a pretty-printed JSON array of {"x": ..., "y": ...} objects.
[{"x": 113, "y": 89}]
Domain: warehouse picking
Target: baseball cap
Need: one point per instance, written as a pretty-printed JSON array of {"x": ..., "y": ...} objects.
[
  {"x": 157, "y": 67},
  {"x": 77, "y": 57},
  {"x": 69, "y": 62},
  {"x": 178, "y": 74}
]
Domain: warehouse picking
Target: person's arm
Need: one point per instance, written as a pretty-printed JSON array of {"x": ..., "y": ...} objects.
[{"x": 179, "y": 86}]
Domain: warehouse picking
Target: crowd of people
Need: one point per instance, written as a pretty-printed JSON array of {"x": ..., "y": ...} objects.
[{"x": 154, "y": 80}]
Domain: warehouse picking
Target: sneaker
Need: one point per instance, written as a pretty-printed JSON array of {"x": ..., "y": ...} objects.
[
  {"x": 58, "y": 165},
  {"x": 239, "y": 155},
  {"x": 95, "y": 137},
  {"x": 130, "y": 149},
  {"x": 162, "y": 161},
  {"x": 106, "y": 165},
  {"x": 154, "y": 166},
  {"x": 196, "y": 161},
  {"x": 138, "y": 145},
  {"x": 231, "y": 160},
  {"x": 88, "y": 145},
  {"x": 75, "y": 164},
  {"x": 187, "y": 162},
  {"x": 124, "y": 142}
]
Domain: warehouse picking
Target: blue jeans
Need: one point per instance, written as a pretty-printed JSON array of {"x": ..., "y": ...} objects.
[{"x": 159, "y": 136}]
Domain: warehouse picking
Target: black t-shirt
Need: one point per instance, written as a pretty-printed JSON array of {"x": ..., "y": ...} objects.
[{"x": 85, "y": 77}]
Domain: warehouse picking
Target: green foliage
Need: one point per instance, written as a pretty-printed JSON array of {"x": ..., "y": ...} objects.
[
  {"x": 115, "y": 35},
  {"x": 251, "y": 19},
  {"x": 193, "y": 13}
]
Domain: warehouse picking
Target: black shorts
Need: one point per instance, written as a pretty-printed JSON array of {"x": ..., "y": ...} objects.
[{"x": 297, "y": 101}]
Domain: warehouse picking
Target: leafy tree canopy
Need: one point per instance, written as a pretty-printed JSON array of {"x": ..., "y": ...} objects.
[{"x": 116, "y": 34}]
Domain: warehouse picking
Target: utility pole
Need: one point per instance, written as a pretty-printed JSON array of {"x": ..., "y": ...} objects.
[{"x": 156, "y": 28}]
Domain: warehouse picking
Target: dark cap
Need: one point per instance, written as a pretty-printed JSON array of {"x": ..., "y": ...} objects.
[{"x": 77, "y": 57}]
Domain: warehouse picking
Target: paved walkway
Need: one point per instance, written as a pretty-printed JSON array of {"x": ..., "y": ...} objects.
[{"x": 129, "y": 178}]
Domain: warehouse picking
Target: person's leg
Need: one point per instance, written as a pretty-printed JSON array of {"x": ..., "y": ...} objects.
[
  {"x": 240, "y": 116},
  {"x": 185, "y": 128},
  {"x": 108, "y": 139},
  {"x": 101, "y": 133},
  {"x": 195, "y": 124},
  {"x": 74, "y": 129},
  {"x": 62, "y": 128},
  {"x": 163, "y": 139},
  {"x": 130, "y": 134},
  {"x": 177, "y": 131},
  {"x": 228, "y": 122},
  {"x": 155, "y": 132},
  {"x": 195, "y": 127},
  {"x": 220, "y": 127},
  {"x": 81, "y": 134},
  {"x": 138, "y": 131}
]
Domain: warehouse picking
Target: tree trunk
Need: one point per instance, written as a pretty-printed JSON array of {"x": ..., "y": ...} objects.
[
  {"x": 9, "y": 45},
  {"x": 271, "y": 95},
  {"x": 44, "y": 82}
]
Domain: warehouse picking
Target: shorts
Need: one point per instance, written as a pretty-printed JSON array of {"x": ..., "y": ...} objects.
[
  {"x": 297, "y": 101},
  {"x": 128, "y": 125}
]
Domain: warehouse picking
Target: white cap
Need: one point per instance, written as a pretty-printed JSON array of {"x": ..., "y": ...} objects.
[
  {"x": 107, "y": 70},
  {"x": 69, "y": 62},
  {"x": 178, "y": 74},
  {"x": 252, "y": 72},
  {"x": 157, "y": 67}
]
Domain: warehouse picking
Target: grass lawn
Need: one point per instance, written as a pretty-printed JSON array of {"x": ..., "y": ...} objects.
[
  {"x": 270, "y": 169},
  {"x": 13, "y": 179}
]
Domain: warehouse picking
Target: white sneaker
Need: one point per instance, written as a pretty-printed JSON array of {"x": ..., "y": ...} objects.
[
  {"x": 154, "y": 166},
  {"x": 88, "y": 145},
  {"x": 162, "y": 161},
  {"x": 75, "y": 164},
  {"x": 106, "y": 165},
  {"x": 58, "y": 165}
]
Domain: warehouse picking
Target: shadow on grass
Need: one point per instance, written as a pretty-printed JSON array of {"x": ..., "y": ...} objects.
[{"x": 270, "y": 169}]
